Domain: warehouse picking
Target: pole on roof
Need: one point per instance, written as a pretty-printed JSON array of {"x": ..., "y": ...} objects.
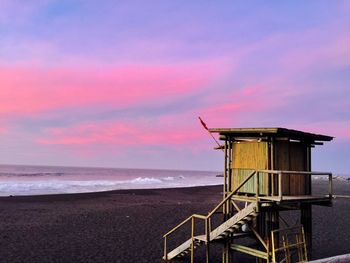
[{"x": 206, "y": 127}]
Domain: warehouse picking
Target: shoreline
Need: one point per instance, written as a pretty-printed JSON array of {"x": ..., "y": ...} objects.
[
  {"x": 128, "y": 225},
  {"x": 110, "y": 191},
  {"x": 336, "y": 179}
]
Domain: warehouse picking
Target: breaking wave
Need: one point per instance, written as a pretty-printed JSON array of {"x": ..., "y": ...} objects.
[
  {"x": 35, "y": 180},
  {"x": 39, "y": 187}
]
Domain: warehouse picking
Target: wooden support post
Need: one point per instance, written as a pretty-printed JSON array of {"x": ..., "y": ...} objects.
[
  {"x": 260, "y": 225},
  {"x": 273, "y": 245},
  {"x": 225, "y": 181},
  {"x": 207, "y": 242},
  {"x": 275, "y": 224},
  {"x": 192, "y": 239},
  {"x": 306, "y": 221},
  {"x": 229, "y": 206},
  {"x": 272, "y": 165},
  {"x": 165, "y": 249},
  {"x": 257, "y": 186},
  {"x": 330, "y": 185},
  {"x": 272, "y": 178},
  {"x": 299, "y": 242},
  {"x": 280, "y": 186},
  {"x": 226, "y": 258},
  {"x": 235, "y": 206},
  {"x": 260, "y": 239},
  {"x": 308, "y": 168},
  {"x": 230, "y": 153},
  {"x": 286, "y": 248},
  {"x": 225, "y": 171},
  {"x": 207, "y": 253},
  {"x": 304, "y": 241},
  {"x": 268, "y": 221}
]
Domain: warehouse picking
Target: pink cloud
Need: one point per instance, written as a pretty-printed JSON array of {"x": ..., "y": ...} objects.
[
  {"x": 3, "y": 130},
  {"x": 174, "y": 130},
  {"x": 29, "y": 91},
  {"x": 119, "y": 133},
  {"x": 240, "y": 106}
]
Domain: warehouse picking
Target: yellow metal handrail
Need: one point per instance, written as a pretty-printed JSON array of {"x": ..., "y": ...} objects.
[
  {"x": 280, "y": 174},
  {"x": 311, "y": 173},
  {"x": 231, "y": 194},
  {"x": 206, "y": 218},
  {"x": 178, "y": 226}
]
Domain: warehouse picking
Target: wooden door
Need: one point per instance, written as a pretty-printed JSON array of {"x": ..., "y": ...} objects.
[{"x": 246, "y": 157}]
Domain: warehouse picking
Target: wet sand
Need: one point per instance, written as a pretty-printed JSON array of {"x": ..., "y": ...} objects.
[{"x": 128, "y": 225}]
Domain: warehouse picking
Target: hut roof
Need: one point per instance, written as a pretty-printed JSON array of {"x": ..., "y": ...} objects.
[{"x": 270, "y": 132}]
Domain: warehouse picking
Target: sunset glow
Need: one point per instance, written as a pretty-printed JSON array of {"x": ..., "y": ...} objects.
[{"x": 121, "y": 84}]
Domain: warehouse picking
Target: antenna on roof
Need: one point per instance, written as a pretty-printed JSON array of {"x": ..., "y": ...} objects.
[{"x": 206, "y": 127}]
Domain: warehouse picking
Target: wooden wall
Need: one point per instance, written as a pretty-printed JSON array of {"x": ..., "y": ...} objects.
[
  {"x": 292, "y": 156},
  {"x": 288, "y": 155},
  {"x": 249, "y": 156}
]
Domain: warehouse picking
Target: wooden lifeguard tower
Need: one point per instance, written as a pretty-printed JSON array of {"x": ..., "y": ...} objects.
[{"x": 266, "y": 171}]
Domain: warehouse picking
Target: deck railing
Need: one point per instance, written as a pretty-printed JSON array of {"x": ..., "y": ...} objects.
[
  {"x": 280, "y": 173},
  {"x": 232, "y": 196}
]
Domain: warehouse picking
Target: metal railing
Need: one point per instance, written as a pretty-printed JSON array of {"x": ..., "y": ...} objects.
[
  {"x": 280, "y": 173},
  {"x": 289, "y": 244},
  {"x": 226, "y": 202},
  {"x": 207, "y": 220}
]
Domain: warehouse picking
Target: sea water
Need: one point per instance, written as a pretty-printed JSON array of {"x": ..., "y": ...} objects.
[{"x": 38, "y": 180}]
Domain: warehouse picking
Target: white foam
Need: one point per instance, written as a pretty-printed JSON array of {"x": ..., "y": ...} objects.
[
  {"x": 76, "y": 186},
  {"x": 87, "y": 180},
  {"x": 145, "y": 180},
  {"x": 169, "y": 178}
]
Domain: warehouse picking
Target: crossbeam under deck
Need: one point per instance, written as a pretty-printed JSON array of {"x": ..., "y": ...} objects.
[{"x": 290, "y": 199}]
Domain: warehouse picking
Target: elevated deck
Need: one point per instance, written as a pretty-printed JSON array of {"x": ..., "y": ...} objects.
[
  {"x": 300, "y": 198},
  {"x": 236, "y": 215},
  {"x": 324, "y": 200}
]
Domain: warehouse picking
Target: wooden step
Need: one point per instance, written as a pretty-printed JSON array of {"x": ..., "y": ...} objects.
[
  {"x": 180, "y": 249},
  {"x": 229, "y": 227},
  {"x": 201, "y": 238},
  {"x": 185, "y": 247},
  {"x": 237, "y": 219}
]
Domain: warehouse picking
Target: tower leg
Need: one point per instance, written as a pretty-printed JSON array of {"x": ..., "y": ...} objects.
[
  {"x": 266, "y": 222},
  {"x": 306, "y": 221},
  {"x": 207, "y": 253},
  {"x": 226, "y": 253}
]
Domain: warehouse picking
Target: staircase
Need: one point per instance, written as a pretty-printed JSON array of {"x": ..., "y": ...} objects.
[{"x": 230, "y": 226}]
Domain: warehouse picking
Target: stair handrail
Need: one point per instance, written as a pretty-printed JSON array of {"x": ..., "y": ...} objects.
[
  {"x": 184, "y": 222},
  {"x": 206, "y": 218},
  {"x": 192, "y": 219},
  {"x": 214, "y": 210},
  {"x": 231, "y": 194}
]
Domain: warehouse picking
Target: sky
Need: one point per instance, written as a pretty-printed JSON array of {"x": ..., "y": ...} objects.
[{"x": 122, "y": 83}]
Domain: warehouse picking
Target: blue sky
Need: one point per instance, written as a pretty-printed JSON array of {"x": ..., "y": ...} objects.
[{"x": 121, "y": 83}]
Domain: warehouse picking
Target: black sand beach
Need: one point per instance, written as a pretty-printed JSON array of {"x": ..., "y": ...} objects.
[{"x": 128, "y": 225}]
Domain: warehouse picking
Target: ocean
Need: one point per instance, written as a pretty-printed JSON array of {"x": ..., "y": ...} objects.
[{"x": 39, "y": 180}]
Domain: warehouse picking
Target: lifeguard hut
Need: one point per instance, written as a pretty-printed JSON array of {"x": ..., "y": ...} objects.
[{"x": 266, "y": 171}]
